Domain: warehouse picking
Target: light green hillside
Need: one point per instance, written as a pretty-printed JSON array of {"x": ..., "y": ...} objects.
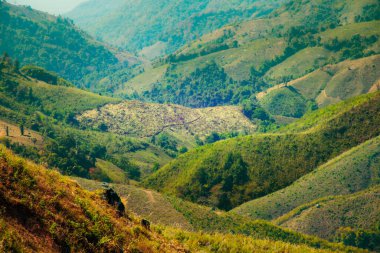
[{"x": 350, "y": 172}]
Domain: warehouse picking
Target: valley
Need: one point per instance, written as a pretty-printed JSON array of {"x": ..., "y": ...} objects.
[{"x": 202, "y": 126}]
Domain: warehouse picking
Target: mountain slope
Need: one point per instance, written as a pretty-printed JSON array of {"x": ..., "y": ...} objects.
[
  {"x": 126, "y": 23},
  {"x": 149, "y": 135},
  {"x": 353, "y": 171},
  {"x": 324, "y": 217},
  {"x": 55, "y": 43},
  {"x": 243, "y": 59},
  {"x": 327, "y": 85},
  {"x": 173, "y": 212},
  {"x": 237, "y": 170},
  {"x": 44, "y": 212},
  {"x": 139, "y": 119}
]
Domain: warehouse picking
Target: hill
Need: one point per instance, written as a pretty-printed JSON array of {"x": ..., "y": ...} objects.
[
  {"x": 187, "y": 216},
  {"x": 243, "y": 59},
  {"x": 139, "y": 119},
  {"x": 327, "y": 85},
  {"x": 170, "y": 25},
  {"x": 56, "y": 44},
  {"x": 43, "y": 211},
  {"x": 327, "y": 217},
  {"x": 140, "y": 137},
  {"x": 353, "y": 171},
  {"x": 234, "y": 171}
]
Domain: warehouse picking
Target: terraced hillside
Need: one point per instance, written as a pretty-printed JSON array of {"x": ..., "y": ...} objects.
[
  {"x": 324, "y": 217},
  {"x": 234, "y": 171},
  {"x": 353, "y": 171},
  {"x": 327, "y": 85},
  {"x": 243, "y": 59},
  {"x": 139, "y": 119}
]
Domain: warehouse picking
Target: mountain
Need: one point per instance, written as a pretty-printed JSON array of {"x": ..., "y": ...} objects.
[
  {"x": 155, "y": 28},
  {"x": 55, "y": 43},
  {"x": 231, "y": 172},
  {"x": 353, "y": 171},
  {"x": 233, "y": 64}
]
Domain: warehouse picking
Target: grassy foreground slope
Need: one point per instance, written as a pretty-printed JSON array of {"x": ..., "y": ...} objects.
[
  {"x": 234, "y": 171},
  {"x": 187, "y": 216},
  {"x": 41, "y": 211},
  {"x": 353, "y": 171},
  {"x": 323, "y": 217}
]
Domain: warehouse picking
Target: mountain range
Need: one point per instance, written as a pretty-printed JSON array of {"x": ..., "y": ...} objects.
[{"x": 203, "y": 126}]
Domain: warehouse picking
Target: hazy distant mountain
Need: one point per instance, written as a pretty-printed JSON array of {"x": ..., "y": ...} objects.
[{"x": 162, "y": 26}]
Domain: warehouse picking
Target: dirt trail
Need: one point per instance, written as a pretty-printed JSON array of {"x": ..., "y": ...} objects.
[{"x": 150, "y": 196}]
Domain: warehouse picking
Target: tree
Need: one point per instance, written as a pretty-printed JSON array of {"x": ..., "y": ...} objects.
[
  {"x": 7, "y": 131},
  {"x": 16, "y": 65},
  {"x": 22, "y": 130}
]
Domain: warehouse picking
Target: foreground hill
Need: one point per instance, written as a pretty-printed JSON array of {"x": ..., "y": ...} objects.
[
  {"x": 45, "y": 212},
  {"x": 327, "y": 217},
  {"x": 353, "y": 171},
  {"x": 55, "y": 43},
  {"x": 170, "y": 24},
  {"x": 234, "y": 171},
  {"x": 187, "y": 216}
]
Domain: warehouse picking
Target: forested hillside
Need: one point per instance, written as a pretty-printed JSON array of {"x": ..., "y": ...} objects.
[
  {"x": 231, "y": 172},
  {"x": 353, "y": 171},
  {"x": 56, "y": 44},
  {"x": 158, "y": 27},
  {"x": 137, "y": 137}
]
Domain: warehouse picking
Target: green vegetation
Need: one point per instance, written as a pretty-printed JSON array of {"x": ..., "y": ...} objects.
[
  {"x": 45, "y": 76},
  {"x": 50, "y": 110},
  {"x": 42, "y": 211},
  {"x": 268, "y": 162},
  {"x": 169, "y": 25},
  {"x": 353, "y": 171},
  {"x": 232, "y": 64},
  {"x": 174, "y": 212},
  {"x": 65, "y": 49},
  {"x": 287, "y": 102},
  {"x": 327, "y": 216}
]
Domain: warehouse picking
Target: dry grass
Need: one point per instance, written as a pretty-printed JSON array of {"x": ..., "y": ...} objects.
[
  {"x": 30, "y": 138},
  {"x": 42, "y": 211},
  {"x": 139, "y": 119}
]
